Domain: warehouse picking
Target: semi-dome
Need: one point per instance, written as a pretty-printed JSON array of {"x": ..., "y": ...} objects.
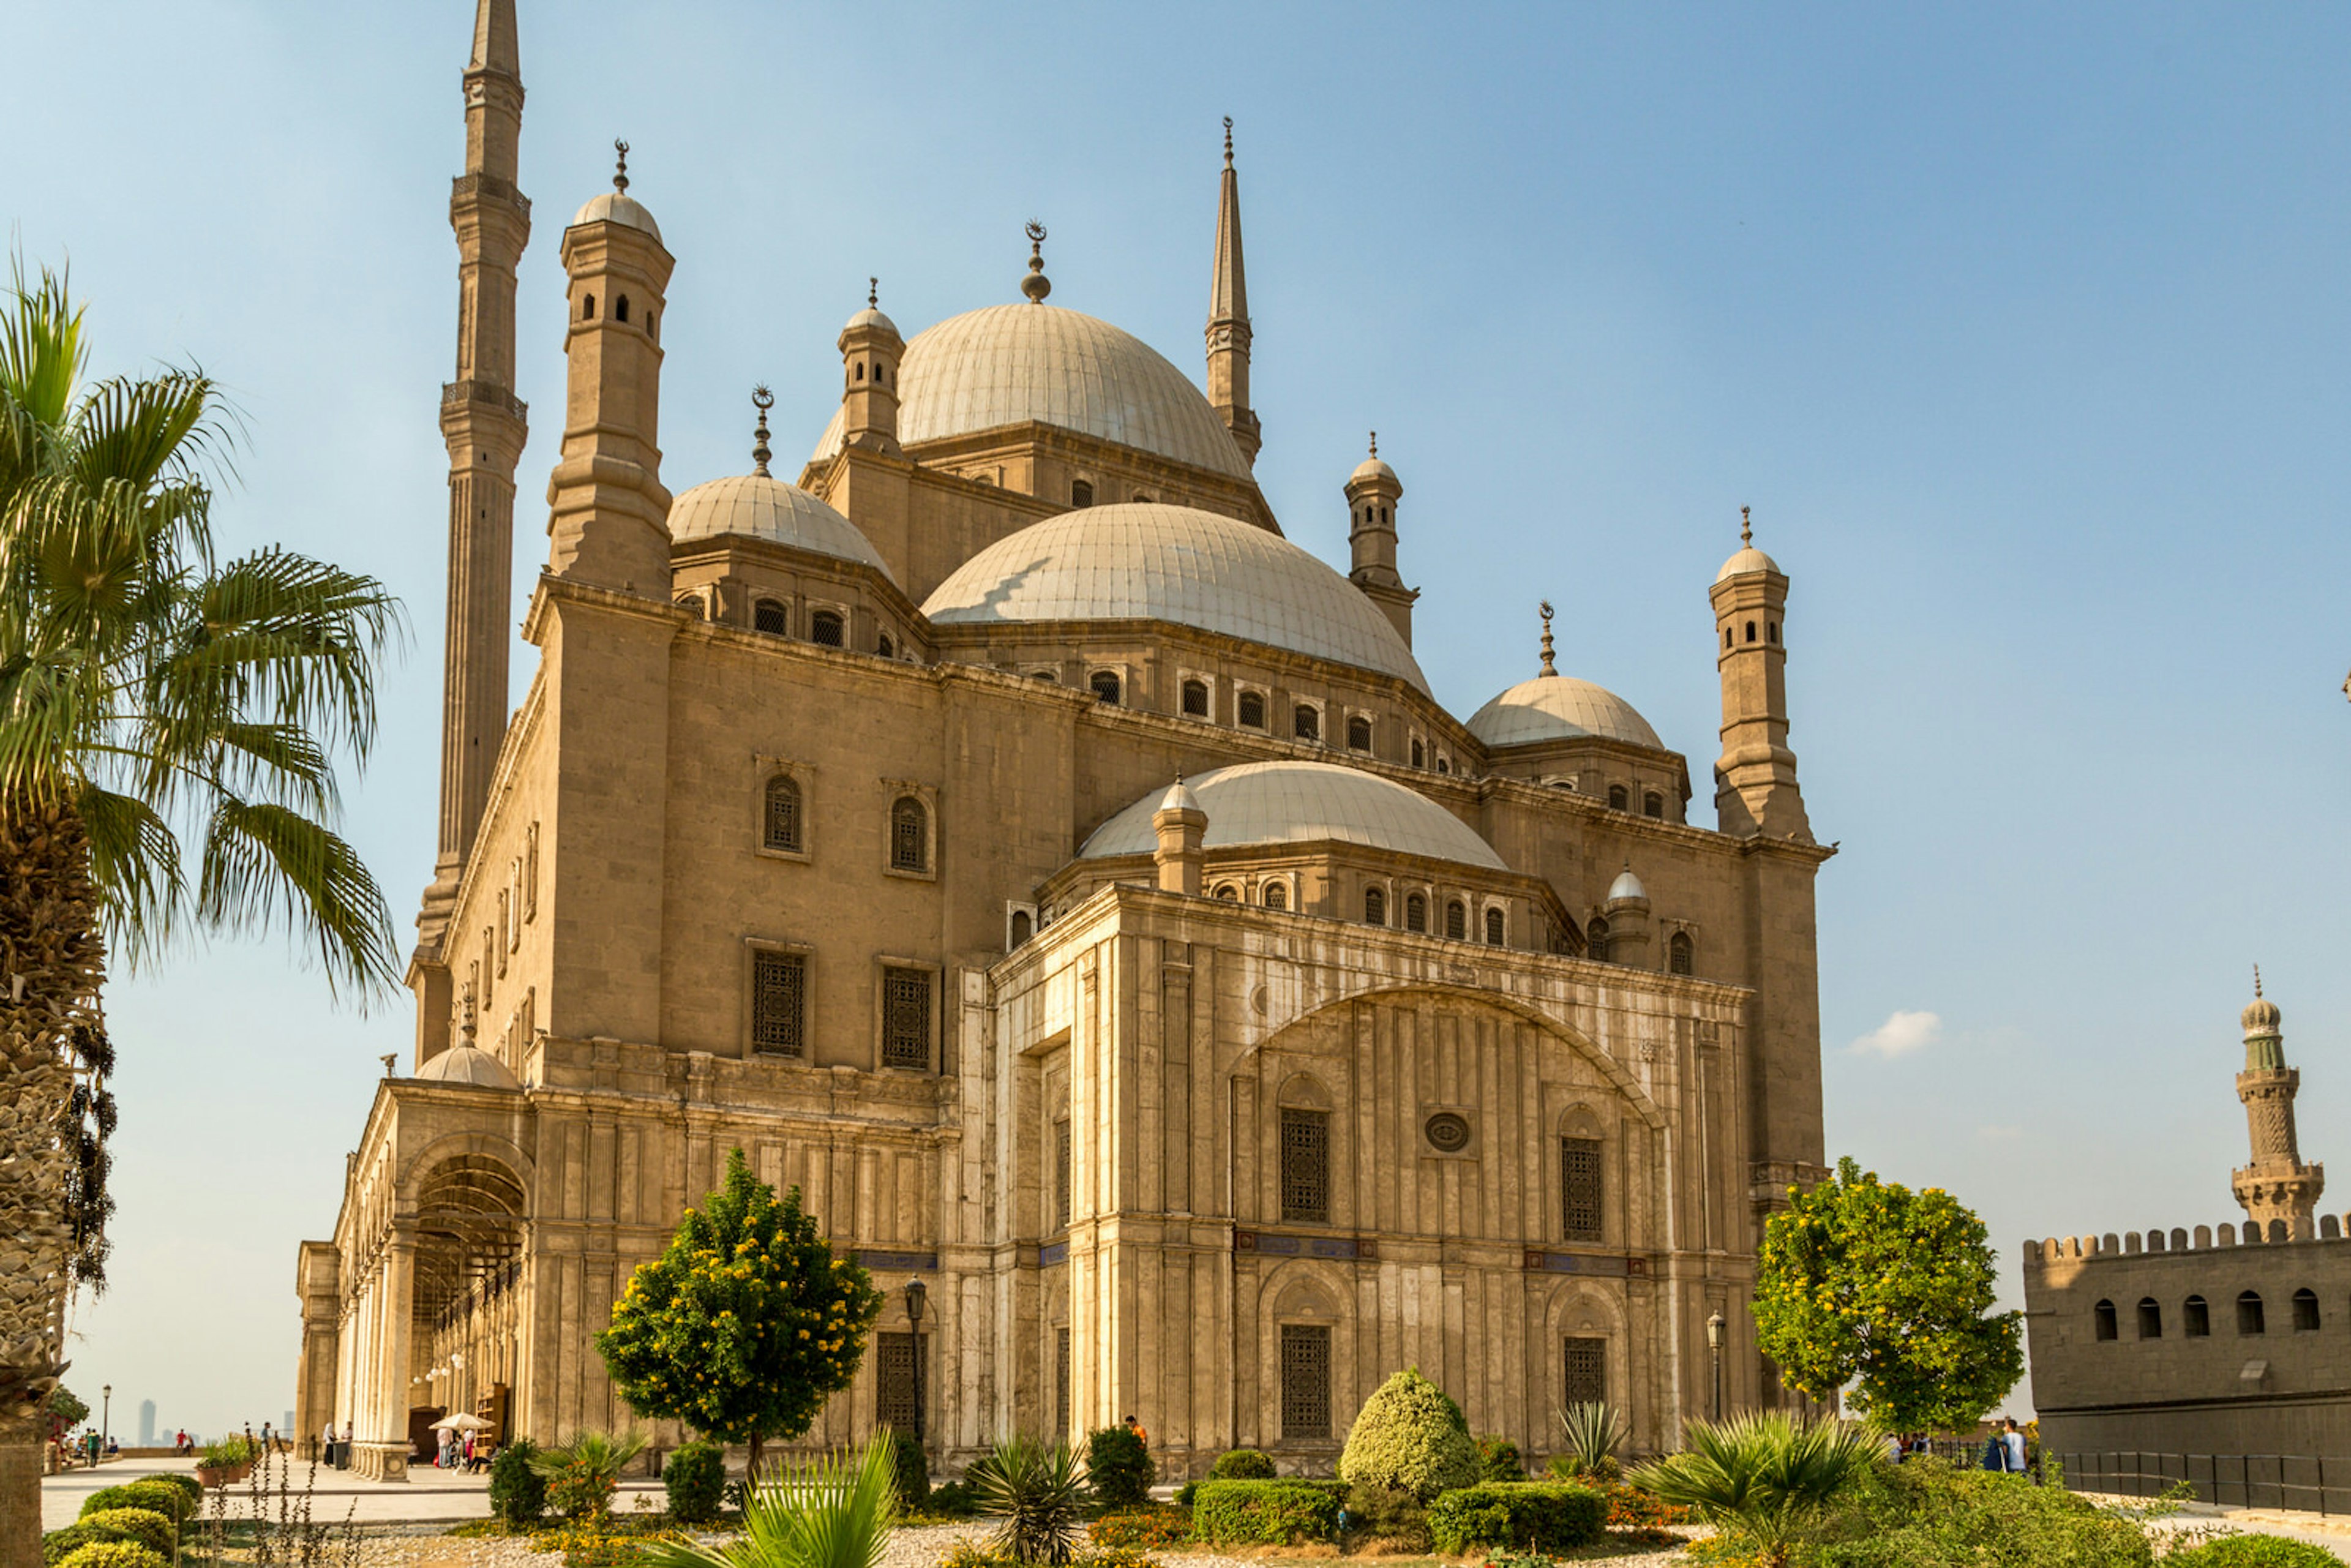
[
  {"x": 1300, "y": 803},
  {"x": 753, "y": 506},
  {"x": 617, "y": 207},
  {"x": 1151, "y": 561},
  {"x": 1010, "y": 365},
  {"x": 469, "y": 1065},
  {"x": 1559, "y": 708}
]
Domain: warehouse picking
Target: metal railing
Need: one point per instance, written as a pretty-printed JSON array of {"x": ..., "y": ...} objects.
[{"x": 2313, "y": 1483}]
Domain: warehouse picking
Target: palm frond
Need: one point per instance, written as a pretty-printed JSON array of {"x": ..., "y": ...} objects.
[
  {"x": 41, "y": 350},
  {"x": 134, "y": 862},
  {"x": 51, "y": 705},
  {"x": 293, "y": 637},
  {"x": 148, "y": 431},
  {"x": 265, "y": 866},
  {"x": 835, "y": 1511}
]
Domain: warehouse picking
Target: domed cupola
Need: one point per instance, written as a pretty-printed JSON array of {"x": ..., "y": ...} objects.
[
  {"x": 758, "y": 506},
  {"x": 1299, "y": 803},
  {"x": 2261, "y": 1017}
]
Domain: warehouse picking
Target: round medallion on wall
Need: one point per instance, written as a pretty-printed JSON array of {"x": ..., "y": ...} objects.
[{"x": 1448, "y": 1133}]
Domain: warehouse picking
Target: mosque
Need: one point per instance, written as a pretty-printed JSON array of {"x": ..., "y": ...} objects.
[{"x": 1006, "y": 836}]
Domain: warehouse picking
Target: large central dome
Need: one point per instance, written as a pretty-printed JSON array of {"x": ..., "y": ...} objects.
[
  {"x": 1010, "y": 365},
  {"x": 1151, "y": 561}
]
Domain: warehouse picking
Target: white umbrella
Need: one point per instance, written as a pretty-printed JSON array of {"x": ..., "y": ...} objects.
[{"x": 462, "y": 1421}]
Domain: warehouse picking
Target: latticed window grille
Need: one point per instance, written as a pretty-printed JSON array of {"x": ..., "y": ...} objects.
[
  {"x": 1493, "y": 929},
  {"x": 907, "y": 850},
  {"x": 1596, "y": 940},
  {"x": 1196, "y": 699},
  {"x": 1415, "y": 912},
  {"x": 1060, "y": 1382},
  {"x": 1306, "y": 1165},
  {"x": 907, "y": 1019},
  {"x": 1585, "y": 1363},
  {"x": 768, "y": 615},
  {"x": 1359, "y": 735},
  {"x": 779, "y": 1003},
  {"x": 894, "y": 1382},
  {"x": 825, "y": 629},
  {"x": 1305, "y": 1380},
  {"x": 1457, "y": 920},
  {"x": 1375, "y": 906},
  {"x": 1681, "y": 954},
  {"x": 1061, "y": 1174},
  {"x": 1251, "y": 710},
  {"x": 783, "y": 829},
  {"x": 1580, "y": 1188}
]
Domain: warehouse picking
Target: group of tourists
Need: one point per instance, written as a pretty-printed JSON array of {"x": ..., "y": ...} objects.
[
  {"x": 335, "y": 1452},
  {"x": 2004, "y": 1448}
]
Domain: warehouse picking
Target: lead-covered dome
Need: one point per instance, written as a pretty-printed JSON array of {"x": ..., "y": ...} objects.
[
  {"x": 468, "y": 1064},
  {"x": 1010, "y": 365},
  {"x": 1301, "y": 803},
  {"x": 617, "y": 207},
  {"x": 1559, "y": 708},
  {"x": 1148, "y": 561},
  {"x": 753, "y": 506}
]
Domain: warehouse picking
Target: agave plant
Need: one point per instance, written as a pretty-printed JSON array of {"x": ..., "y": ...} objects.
[
  {"x": 837, "y": 1511},
  {"x": 1766, "y": 1476},
  {"x": 582, "y": 1474},
  {"x": 1040, "y": 1491},
  {"x": 1592, "y": 1432}
]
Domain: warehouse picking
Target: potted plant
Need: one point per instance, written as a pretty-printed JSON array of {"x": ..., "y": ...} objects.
[{"x": 224, "y": 1461}]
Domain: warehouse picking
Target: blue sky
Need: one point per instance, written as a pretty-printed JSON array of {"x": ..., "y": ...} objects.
[{"x": 2022, "y": 331}]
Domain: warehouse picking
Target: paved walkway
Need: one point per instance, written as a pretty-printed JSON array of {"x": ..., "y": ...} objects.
[{"x": 427, "y": 1497}]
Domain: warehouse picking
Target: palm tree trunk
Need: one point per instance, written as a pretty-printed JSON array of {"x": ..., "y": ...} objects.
[{"x": 51, "y": 964}]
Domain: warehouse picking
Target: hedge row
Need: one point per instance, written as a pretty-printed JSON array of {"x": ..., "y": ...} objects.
[
  {"x": 1543, "y": 1515},
  {"x": 1266, "y": 1513}
]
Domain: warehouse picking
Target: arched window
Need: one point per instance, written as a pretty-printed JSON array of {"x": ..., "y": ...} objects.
[
  {"x": 768, "y": 615},
  {"x": 1082, "y": 493},
  {"x": 1681, "y": 954},
  {"x": 1375, "y": 906},
  {"x": 1457, "y": 920},
  {"x": 2104, "y": 1312},
  {"x": 2196, "y": 1318},
  {"x": 1419, "y": 754},
  {"x": 783, "y": 816},
  {"x": 1653, "y": 805},
  {"x": 1416, "y": 912},
  {"x": 1493, "y": 929},
  {"x": 1022, "y": 927},
  {"x": 1771, "y": 631},
  {"x": 649, "y": 327},
  {"x": 1230, "y": 894},
  {"x": 857, "y": 371},
  {"x": 1276, "y": 895},
  {"x": 1105, "y": 685},
  {"x": 824, "y": 629},
  {"x": 1142, "y": 498},
  {"x": 2248, "y": 1314},
  {"x": 910, "y": 847},
  {"x": 1444, "y": 765},
  {"x": 1726, "y": 636},
  {"x": 2150, "y": 1319},
  {"x": 2305, "y": 1311},
  {"x": 1359, "y": 734},
  {"x": 1306, "y": 722},
  {"x": 621, "y": 309},
  {"x": 1750, "y": 630},
  {"x": 586, "y": 307},
  {"x": 1618, "y": 799},
  {"x": 886, "y": 647},
  {"x": 1196, "y": 699},
  {"x": 690, "y": 601},
  {"x": 1596, "y": 940},
  {"x": 1253, "y": 710}
]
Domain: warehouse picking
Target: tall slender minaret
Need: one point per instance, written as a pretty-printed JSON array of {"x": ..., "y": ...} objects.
[
  {"x": 1373, "y": 492},
  {"x": 2277, "y": 1184},
  {"x": 1228, "y": 322},
  {"x": 1755, "y": 779},
  {"x": 484, "y": 424}
]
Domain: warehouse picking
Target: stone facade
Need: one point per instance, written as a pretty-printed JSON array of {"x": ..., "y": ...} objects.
[{"x": 1381, "y": 1042}]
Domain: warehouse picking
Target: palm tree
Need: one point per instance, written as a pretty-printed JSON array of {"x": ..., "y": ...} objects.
[
  {"x": 838, "y": 1511},
  {"x": 582, "y": 1475},
  {"x": 1039, "y": 1492},
  {"x": 148, "y": 691},
  {"x": 1768, "y": 1476}
]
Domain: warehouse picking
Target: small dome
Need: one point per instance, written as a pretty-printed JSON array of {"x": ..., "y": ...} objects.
[
  {"x": 1749, "y": 558},
  {"x": 1179, "y": 798},
  {"x": 1627, "y": 885},
  {"x": 1151, "y": 561},
  {"x": 1372, "y": 468},
  {"x": 2260, "y": 1017},
  {"x": 617, "y": 207},
  {"x": 1303, "y": 802},
  {"x": 1559, "y": 708},
  {"x": 469, "y": 1065},
  {"x": 872, "y": 316},
  {"x": 1010, "y": 364},
  {"x": 753, "y": 505}
]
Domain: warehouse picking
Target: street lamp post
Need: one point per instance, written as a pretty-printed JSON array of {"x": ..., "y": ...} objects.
[
  {"x": 1714, "y": 1327},
  {"x": 105, "y": 1413},
  {"x": 914, "y": 1293}
]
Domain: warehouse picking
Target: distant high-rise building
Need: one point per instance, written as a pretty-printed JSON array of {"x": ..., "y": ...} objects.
[{"x": 146, "y": 1423}]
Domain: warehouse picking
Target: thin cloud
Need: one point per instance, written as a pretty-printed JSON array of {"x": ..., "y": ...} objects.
[{"x": 1901, "y": 1034}]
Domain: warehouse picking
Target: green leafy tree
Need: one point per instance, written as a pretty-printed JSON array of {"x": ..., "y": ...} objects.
[
  {"x": 745, "y": 1324},
  {"x": 1867, "y": 1280},
  {"x": 150, "y": 693},
  {"x": 66, "y": 1409}
]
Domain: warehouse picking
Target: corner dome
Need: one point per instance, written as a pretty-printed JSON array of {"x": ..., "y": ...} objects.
[
  {"x": 1749, "y": 558},
  {"x": 1626, "y": 885},
  {"x": 469, "y": 1065},
  {"x": 1010, "y": 365},
  {"x": 1151, "y": 561},
  {"x": 1303, "y": 802},
  {"x": 1559, "y": 708},
  {"x": 872, "y": 316},
  {"x": 753, "y": 506},
  {"x": 1372, "y": 468},
  {"x": 617, "y": 207}
]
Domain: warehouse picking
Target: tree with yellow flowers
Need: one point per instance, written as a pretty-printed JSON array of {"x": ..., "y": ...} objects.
[
  {"x": 1867, "y": 1280},
  {"x": 745, "y": 1324}
]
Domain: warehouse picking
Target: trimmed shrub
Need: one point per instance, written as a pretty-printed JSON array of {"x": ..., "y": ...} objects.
[
  {"x": 114, "y": 1554},
  {"x": 1140, "y": 1528},
  {"x": 910, "y": 1471},
  {"x": 1543, "y": 1515},
  {"x": 1264, "y": 1513},
  {"x": 952, "y": 1498},
  {"x": 1497, "y": 1459},
  {"x": 2254, "y": 1552},
  {"x": 58, "y": 1544},
  {"x": 695, "y": 1476},
  {"x": 1393, "y": 1515},
  {"x": 152, "y": 1493},
  {"x": 1242, "y": 1465},
  {"x": 1409, "y": 1436},
  {"x": 143, "y": 1525},
  {"x": 185, "y": 1481},
  {"x": 517, "y": 1491},
  {"x": 1120, "y": 1468},
  {"x": 1186, "y": 1494}
]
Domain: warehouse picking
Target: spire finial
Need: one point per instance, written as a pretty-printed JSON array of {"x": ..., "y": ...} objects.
[
  {"x": 1229, "y": 141},
  {"x": 2257, "y": 980},
  {"x": 1746, "y": 527},
  {"x": 1036, "y": 286},
  {"x": 873, "y": 294},
  {"x": 1375, "y": 444},
  {"x": 620, "y": 172},
  {"x": 1549, "y": 668},
  {"x": 762, "y": 400}
]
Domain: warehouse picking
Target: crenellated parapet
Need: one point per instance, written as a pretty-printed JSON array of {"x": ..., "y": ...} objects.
[{"x": 2227, "y": 1234}]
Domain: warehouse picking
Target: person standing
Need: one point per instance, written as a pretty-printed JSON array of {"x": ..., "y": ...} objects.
[
  {"x": 1140, "y": 1436},
  {"x": 344, "y": 1452},
  {"x": 2012, "y": 1439},
  {"x": 327, "y": 1445}
]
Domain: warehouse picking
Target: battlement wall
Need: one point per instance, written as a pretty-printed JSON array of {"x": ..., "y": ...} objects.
[{"x": 2077, "y": 1250}]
